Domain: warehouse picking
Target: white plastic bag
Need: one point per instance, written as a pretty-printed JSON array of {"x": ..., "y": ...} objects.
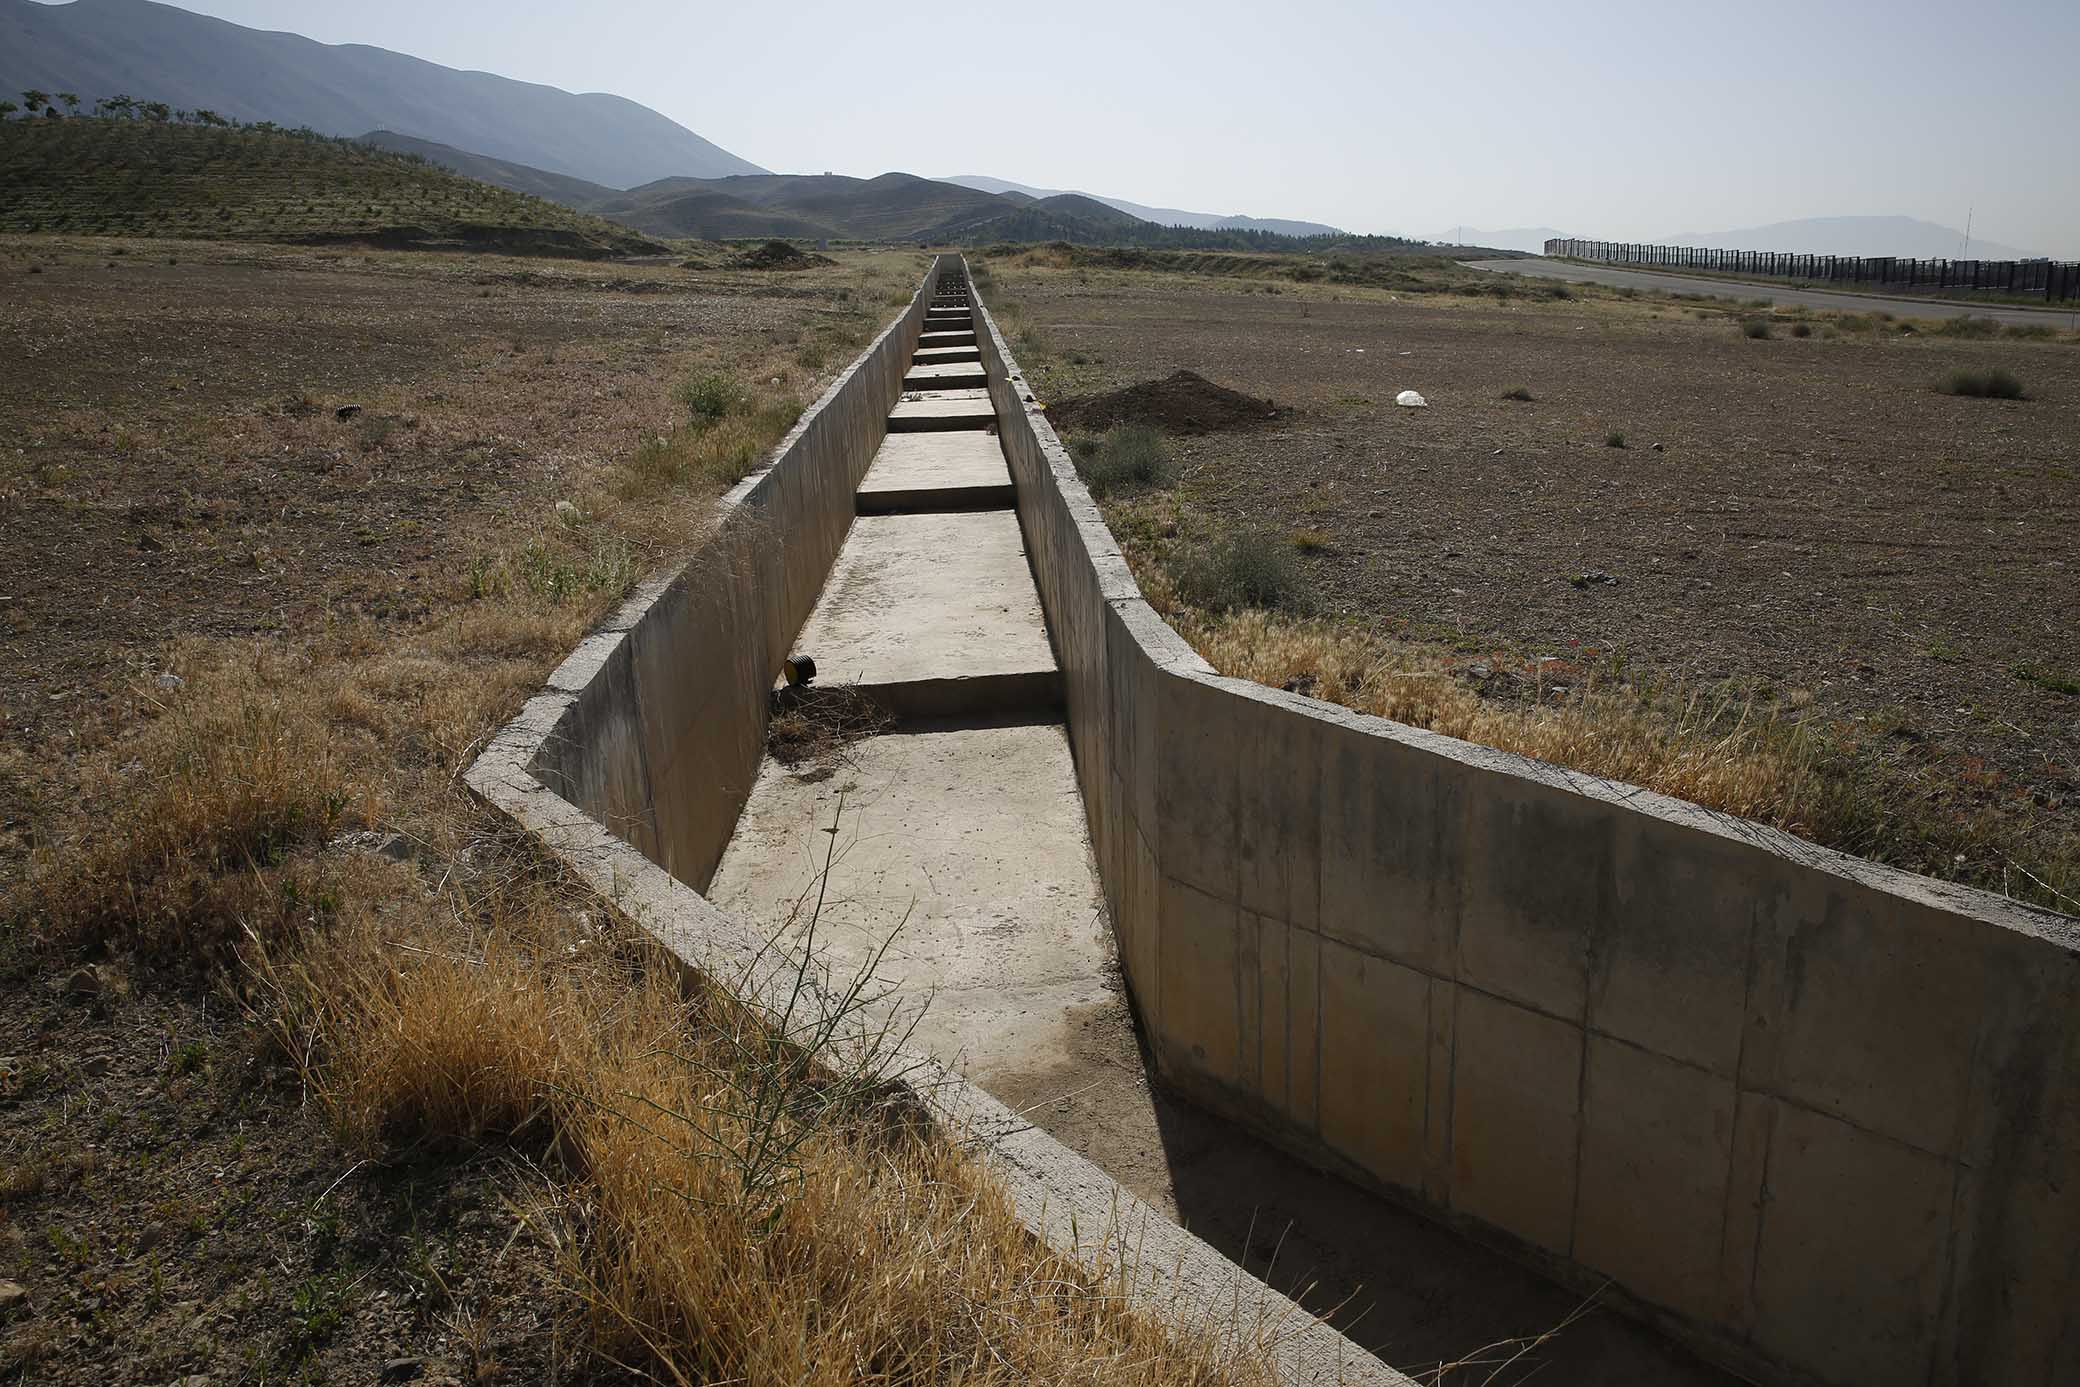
[{"x": 1409, "y": 399}]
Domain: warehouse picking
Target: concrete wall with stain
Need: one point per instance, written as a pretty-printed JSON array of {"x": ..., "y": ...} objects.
[
  {"x": 665, "y": 725},
  {"x": 1818, "y": 1117}
]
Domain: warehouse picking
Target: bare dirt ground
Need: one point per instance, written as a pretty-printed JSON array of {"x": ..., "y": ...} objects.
[
  {"x": 1799, "y": 517},
  {"x": 175, "y": 477}
]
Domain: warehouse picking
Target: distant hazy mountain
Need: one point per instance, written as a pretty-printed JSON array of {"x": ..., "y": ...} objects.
[
  {"x": 1525, "y": 238},
  {"x": 893, "y": 207},
  {"x": 1902, "y": 236},
  {"x": 1161, "y": 216},
  {"x": 154, "y": 52}
]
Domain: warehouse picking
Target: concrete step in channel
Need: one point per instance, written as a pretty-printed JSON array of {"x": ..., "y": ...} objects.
[
  {"x": 946, "y": 375},
  {"x": 915, "y": 473},
  {"x": 932, "y": 411},
  {"x": 931, "y": 611},
  {"x": 934, "y": 616}
]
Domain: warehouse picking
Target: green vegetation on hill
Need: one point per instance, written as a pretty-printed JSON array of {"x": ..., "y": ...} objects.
[
  {"x": 97, "y": 47},
  {"x": 160, "y": 178}
]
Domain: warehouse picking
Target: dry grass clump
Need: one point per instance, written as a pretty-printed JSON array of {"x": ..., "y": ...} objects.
[
  {"x": 714, "y": 451},
  {"x": 816, "y": 724},
  {"x": 1771, "y": 762},
  {"x": 224, "y": 788},
  {"x": 1726, "y": 753},
  {"x": 742, "y": 1203}
]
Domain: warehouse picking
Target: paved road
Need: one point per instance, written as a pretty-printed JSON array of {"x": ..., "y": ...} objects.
[{"x": 1776, "y": 293}]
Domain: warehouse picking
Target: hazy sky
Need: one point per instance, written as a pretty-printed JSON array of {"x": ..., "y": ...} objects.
[{"x": 1602, "y": 117}]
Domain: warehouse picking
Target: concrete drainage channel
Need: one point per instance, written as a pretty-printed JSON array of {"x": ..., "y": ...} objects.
[
  {"x": 959, "y": 856},
  {"x": 956, "y": 837},
  {"x": 1807, "y": 1115},
  {"x": 641, "y": 800},
  {"x": 959, "y": 821}
]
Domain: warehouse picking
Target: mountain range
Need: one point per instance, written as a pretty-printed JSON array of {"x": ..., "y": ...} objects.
[
  {"x": 101, "y": 48},
  {"x": 892, "y": 207},
  {"x": 1161, "y": 216},
  {"x": 592, "y": 151},
  {"x": 613, "y": 157},
  {"x": 1901, "y": 236}
]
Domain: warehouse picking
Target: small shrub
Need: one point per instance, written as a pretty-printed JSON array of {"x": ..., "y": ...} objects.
[
  {"x": 1614, "y": 439},
  {"x": 1309, "y": 540},
  {"x": 1801, "y": 329},
  {"x": 1518, "y": 392},
  {"x": 1244, "y": 569},
  {"x": 712, "y": 397},
  {"x": 2038, "y": 332},
  {"x": 1756, "y": 328},
  {"x": 1992, "y": 384},
  {"x": 1132, "y": 455}
]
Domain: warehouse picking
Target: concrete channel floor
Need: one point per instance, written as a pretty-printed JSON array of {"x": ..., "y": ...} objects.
[
  {"x": 929, "y": 597},
  {"x": 959, "y": 844},
  {"x": 949, "y": 464},
  {"x": 963, "y": 851}
]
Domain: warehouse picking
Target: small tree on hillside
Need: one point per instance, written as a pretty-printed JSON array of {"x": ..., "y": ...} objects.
[
  {"x": 35, "y": 100},
  {"x": 156, "y": 110},
  {"x": 71, "y": 100},
  {"x": 7, "y": 108},
  {"x": 121, "y": 107}
]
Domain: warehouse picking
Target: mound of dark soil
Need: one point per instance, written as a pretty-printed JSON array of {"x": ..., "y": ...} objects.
[
  {"x": 779, "y": 255},
  {"x": 1184, "y": 403}
]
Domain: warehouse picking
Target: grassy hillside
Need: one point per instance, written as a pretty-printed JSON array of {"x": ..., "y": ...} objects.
[
  {"x": 706, "y": 215},
  {"x": 101, "y": 47},
  {"x": 504, "y": 173},
  {"x": 146, "y": 178}
]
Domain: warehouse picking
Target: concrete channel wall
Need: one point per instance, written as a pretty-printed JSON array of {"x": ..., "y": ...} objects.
[
  {"x": 633, "y": 762},
  {"x": 665, "y": 728},
  {"x": 1817, "y": 1117}
]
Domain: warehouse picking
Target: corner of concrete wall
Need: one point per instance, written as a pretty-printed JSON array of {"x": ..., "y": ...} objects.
[{"x": 1814, "y": 1115}]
